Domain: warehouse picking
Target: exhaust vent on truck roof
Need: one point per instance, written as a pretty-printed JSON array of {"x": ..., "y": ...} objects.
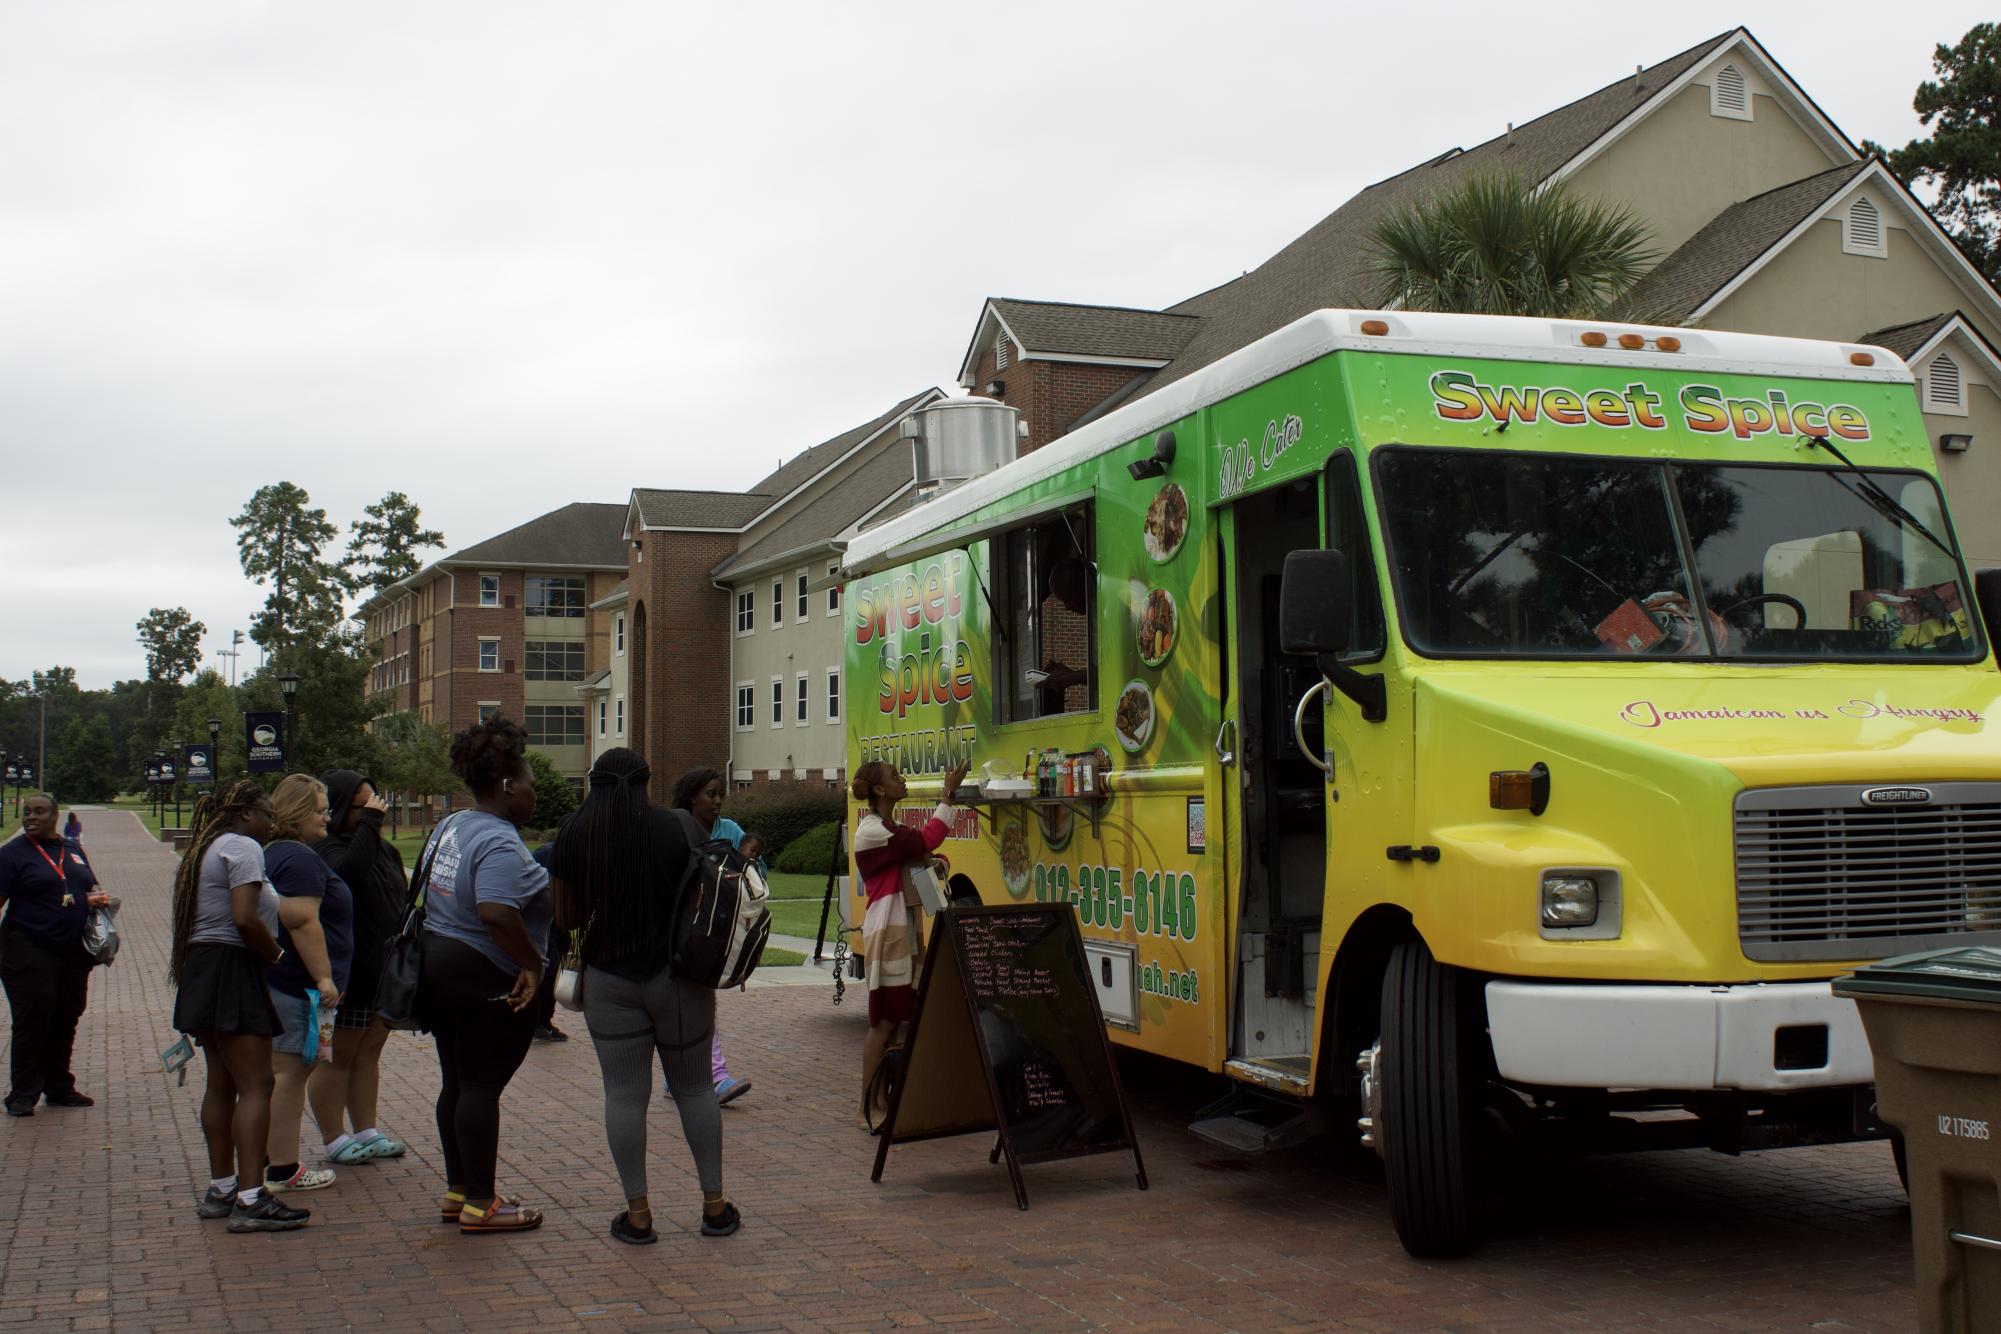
[{"x": 957, "y": 439}]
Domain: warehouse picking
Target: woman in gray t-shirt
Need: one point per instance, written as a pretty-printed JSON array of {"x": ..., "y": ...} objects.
[{"x": 225, "y": 937}]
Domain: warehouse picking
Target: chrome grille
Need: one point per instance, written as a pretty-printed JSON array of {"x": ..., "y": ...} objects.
[{"x": 1823, "y": 875}]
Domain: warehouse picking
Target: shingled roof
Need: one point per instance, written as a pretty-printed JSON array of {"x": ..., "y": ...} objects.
[
  {"x": 1906, "y": 339},
  {"x": 729, "y": 510},
  {"x": 1328, "y": 266},
  {"x": 1733, "y": 241},
  {"x": 1095, "y": 331},
  {"x": 809, "y": 463},
  {"x": 581, "y": 534}
]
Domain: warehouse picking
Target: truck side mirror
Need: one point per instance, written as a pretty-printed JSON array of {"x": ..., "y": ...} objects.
[
  {"x": 1313, "y": 603},
  {"x": 1987, "y": 595}
]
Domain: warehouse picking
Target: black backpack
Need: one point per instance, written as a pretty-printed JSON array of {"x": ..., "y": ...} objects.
[{"x": 722, "y": 920}]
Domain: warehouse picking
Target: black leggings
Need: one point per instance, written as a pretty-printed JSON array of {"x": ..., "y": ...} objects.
[
  {"x": 47, "y": 989},
  {"x": 481, "y": 1043}
]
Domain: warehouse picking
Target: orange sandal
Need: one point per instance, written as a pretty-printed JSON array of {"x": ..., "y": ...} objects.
[
  {"x": 503, "y": 1215},
  {"x": 448, "y": 1208}
]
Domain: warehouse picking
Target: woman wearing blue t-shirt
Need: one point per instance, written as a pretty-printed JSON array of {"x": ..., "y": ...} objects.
[
  {"x": 316, "y": 933},
  {"x": 487, "y": 912}
]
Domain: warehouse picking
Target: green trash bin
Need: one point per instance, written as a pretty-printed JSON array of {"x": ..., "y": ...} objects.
[{"x": 1934, "y": 1025}]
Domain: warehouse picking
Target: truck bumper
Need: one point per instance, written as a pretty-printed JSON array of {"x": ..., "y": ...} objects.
[{"x": 1585, "y": 1035}]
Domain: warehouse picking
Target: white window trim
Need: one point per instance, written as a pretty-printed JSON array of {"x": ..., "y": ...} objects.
[
  {"x": 777, "y": 702},
  {"x": 604, "y": 718},
  {"x": 1717, "y": 107},
  {"x": 618, "y": 715},
  {"x": 833, "y": 592},
  {"x": 618, "y": 633},
  {"x": 481, "y": 587},
  {"x": 802, "y": 597},
  {"x": 1933, "y": 406},
  {"x": 802, "y": 699},
  {"x": 777, "y": 602},
  {"x": 493, "y": 704},
  {"x": 1850, "y": 245},
  {"x": 737, "y": 703},
  {"x": 736, "y": 613},
  {"x": 833, "y": 697},
  {"x": 479, "y": 655}
]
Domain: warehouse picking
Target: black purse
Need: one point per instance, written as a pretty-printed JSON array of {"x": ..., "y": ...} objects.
[{"x": 403, "y": 957}]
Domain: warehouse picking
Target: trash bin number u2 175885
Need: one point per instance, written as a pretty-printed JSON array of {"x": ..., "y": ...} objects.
[{"x": 1934, "y": 1025}]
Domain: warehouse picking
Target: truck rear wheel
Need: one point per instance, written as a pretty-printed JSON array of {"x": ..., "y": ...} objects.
[{"x": 1427, "y": 1067}]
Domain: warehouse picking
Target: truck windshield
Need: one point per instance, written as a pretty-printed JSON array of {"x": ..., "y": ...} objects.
[{"x": 1538, "y": 555}]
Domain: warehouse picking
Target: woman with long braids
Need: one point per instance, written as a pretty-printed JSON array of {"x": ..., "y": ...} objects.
[
  {"x": 486, "y": 916},
  {"x": 618, "y": 866},
  {"x": 889, "y": 935},
  {"x": 225, "y": 941}
]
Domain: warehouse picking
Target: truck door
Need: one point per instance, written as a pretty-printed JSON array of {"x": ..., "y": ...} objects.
[{"x": 1275, "y": 821}]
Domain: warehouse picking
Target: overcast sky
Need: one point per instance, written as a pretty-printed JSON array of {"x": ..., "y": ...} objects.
[{"x": 502, "y": 256}]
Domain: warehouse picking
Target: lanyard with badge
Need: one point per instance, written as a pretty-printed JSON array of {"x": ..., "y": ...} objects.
[{"x": 62, "y": 873}]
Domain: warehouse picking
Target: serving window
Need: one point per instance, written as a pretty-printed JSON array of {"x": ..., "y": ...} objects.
[{"x": 1045, "y": 598}]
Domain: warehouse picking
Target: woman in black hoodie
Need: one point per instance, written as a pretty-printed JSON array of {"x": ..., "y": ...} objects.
[{"x": 343, "y": 1091}]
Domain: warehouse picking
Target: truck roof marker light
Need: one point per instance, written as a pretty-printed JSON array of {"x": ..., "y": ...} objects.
[
  {"x": 1668, "y": 343},
  {"x": 1591, "y": 338},
  {"x": 1861, "y": 359},
  {"x": 1519, "y": 789},
  {"x": 1376, "y": 328},
  {"x": 1632, "y": 342}
]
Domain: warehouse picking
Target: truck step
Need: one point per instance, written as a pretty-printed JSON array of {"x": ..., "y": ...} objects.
[{"x": 1256, "y": 1129}]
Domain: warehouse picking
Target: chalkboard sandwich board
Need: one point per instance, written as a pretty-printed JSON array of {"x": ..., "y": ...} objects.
[{"x": 1008, "y": 1037}]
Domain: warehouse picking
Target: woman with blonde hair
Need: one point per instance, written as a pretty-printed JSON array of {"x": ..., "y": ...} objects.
[
  {"x": 316, "y": 932},
  {"x": 889, "y": 932}
]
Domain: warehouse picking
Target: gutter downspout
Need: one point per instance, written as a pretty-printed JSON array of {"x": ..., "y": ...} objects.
[{"x": 729, "y": 765}]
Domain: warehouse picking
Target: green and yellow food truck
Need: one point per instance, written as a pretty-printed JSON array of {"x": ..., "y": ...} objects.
[{"x": 1471, "y": 726}]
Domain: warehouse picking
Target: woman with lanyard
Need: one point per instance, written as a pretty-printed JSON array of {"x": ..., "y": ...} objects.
[{"x": 48, "y": 889}]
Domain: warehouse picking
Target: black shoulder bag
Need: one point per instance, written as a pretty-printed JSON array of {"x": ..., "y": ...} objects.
[{"x": 403, "y": 956}]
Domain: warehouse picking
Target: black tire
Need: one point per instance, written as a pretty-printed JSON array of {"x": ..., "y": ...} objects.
[{"x": 1428, "y": 1100}]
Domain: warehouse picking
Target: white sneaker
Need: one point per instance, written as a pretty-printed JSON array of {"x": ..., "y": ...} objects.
[{"x": 306, "y": 1178}]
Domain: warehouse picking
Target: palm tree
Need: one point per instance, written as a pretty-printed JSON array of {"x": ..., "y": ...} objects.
[{"x": 1495, "y": 244}]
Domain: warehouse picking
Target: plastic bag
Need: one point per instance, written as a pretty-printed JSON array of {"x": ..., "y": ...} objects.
[{"x": 100, "y": 935}]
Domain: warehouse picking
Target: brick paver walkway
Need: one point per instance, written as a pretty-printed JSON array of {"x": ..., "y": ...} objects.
[{"x": 97, "y": 1227}]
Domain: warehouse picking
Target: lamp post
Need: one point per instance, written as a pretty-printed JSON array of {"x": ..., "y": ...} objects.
[
  {"x": 159, "y": 775},
  {"x": 288, "y": 685},
  {"x": 4, "y": 777},
  {"x": 172, "y": 773},
  {"x": 214, "y": 753}
]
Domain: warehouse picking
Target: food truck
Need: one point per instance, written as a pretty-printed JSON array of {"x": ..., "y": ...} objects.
[{"x": 1466, "y": 728}]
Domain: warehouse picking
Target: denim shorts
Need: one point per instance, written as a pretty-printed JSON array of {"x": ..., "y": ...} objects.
[{"x": 291, "y": 1008}]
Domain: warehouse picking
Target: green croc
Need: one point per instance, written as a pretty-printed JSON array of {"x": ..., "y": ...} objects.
[
  {"x": 384, "y": 1147},
  {"x": 354, "y": 1151}
]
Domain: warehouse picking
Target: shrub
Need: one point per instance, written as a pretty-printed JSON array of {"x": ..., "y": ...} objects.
[
  {"x": 809, "y": 853},
  {"x": 554, "y": 797},
  {"x": 778, "y": 813}
]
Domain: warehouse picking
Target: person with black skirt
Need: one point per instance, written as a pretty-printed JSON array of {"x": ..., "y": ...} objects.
[
  {"x": 344, "y": 1091},
  {"x": 487, "y": 914},
  {"x": 225, "y": 941},
  {"x": 49, "y": 889}
]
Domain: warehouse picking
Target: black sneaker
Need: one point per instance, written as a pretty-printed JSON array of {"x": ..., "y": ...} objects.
[
  {"x": 70, "y": 1098},
  {"x": 20, "y": 1106},
  {"x": 550, "y": 1033},
  {"x": 267, "y": 1215},
  {"x": 215, "y": 1204}
]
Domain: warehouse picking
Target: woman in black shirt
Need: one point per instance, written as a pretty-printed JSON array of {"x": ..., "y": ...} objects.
[
  {"x": 616, "y": 872},
  {"x": 49, "y": 890}
]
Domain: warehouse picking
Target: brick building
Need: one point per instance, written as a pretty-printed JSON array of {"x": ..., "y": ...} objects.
[{"x": 505, "y": 626}]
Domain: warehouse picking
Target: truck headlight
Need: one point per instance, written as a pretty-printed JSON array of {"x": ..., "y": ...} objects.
[{"x": 1569, "y": 899}]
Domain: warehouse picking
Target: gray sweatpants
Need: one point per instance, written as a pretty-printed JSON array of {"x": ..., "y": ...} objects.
[{"x": 629, "y": 1022}]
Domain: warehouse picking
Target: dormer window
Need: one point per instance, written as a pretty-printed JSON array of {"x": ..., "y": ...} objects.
[
  {"x": 1862, "y": 230},
  {"x": 1729, "y": 94},
  {"x": 1944, "y": 391}
]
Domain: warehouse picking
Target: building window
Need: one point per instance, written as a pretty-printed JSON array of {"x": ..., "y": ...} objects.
[
  {"x": 777, "y": 702},
  {"x": 489, "y": 590},
  {"x": 833, "y": 591},
  {"x": 489, "y": 655},
  {"x": 618, "y": 716},
  {"x": 554, "y": 724},
  {"x": 1943, "y": 389},
  {"x": 746, "y": 612},
  {"x": 555, "y": 597},
  {"x": 1862, "y": 233},
  {"x": 604, "y": 711},
  {"x": 833, "y": 695},
  {"x": 777, "y": 602},
  {"x": 553, "y": 660},
  {"x": 618, "y": 634},
  {"x": 1729, "y": 96},
  {"x": 802, "y": 609},
  {"x": 746, "y": 706},
  {"x": 487, "y": 709},
  {"x": 1046, "y": 585},
  {"x": 803, "y": 693}
]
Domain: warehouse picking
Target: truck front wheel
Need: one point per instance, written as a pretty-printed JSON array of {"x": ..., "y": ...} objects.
[{"x": 1426, "y": 1065}]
